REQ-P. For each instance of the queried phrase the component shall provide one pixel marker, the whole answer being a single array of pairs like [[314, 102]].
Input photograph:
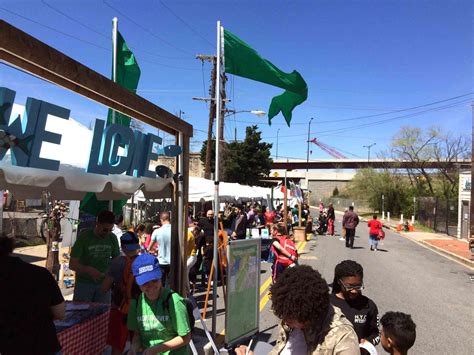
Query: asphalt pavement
[[402, 276]]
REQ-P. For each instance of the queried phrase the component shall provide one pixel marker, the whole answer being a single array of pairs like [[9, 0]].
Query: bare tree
[[423, 147]]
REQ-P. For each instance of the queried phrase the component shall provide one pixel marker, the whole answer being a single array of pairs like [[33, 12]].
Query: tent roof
[[71, 181]]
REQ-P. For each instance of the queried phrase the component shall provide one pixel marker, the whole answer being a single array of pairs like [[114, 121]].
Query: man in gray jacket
[[350, 222]]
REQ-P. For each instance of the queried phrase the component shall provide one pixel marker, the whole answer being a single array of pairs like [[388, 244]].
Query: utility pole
[[278, 132], [368, 150], [212, 113], [223, 151], [307, 152]]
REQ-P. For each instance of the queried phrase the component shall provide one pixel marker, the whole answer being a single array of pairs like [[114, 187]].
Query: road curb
[[448, 253]]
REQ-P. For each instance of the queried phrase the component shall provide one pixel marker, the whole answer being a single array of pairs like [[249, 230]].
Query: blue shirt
[[163, 237]]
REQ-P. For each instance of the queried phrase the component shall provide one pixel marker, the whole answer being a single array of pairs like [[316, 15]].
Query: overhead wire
[[91, 43], [74, 20], [351, 128], [368, 116], [185, 23], [147, 30], [54, 29], [106, 36]]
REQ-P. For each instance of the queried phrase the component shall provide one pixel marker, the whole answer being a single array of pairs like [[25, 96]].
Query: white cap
[[369, 347]]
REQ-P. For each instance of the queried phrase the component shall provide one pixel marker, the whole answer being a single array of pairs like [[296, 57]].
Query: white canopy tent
[[201, 189], [71, 181]]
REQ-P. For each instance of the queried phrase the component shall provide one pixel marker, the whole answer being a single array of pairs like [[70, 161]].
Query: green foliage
[[248, 161], [243, 162], [335, 192], [213, 154], [370, 185]]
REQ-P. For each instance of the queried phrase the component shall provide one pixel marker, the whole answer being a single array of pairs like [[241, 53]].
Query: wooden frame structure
[[26, 53]]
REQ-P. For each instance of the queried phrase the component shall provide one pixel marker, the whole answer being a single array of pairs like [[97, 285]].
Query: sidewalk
[[444, 244]]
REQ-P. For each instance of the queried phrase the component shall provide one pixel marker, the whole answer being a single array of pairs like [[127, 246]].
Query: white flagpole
[[114, 56], [114, 74], [216, 181]]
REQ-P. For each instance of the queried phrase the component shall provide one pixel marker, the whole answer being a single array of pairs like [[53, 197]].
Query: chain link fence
[[441, 215], [341, 204]]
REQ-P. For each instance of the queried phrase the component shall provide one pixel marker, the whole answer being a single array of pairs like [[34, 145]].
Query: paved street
[[403, 276]]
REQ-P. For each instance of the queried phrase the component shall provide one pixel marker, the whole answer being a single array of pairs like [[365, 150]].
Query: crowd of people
[[130, 270]]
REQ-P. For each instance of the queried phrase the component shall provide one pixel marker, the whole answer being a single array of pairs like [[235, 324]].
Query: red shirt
[[375, 226], [269, 217]]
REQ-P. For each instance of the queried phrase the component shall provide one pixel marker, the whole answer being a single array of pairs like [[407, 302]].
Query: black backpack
[[189, 309]]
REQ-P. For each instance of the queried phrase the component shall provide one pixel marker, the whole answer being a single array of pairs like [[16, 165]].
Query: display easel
[[222, 255]]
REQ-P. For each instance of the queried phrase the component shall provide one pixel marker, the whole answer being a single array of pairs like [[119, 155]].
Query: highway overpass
[[363, 163]]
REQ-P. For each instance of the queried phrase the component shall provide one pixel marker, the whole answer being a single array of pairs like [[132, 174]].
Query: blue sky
[[359, 58]]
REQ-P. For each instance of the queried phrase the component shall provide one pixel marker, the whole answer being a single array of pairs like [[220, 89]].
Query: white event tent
[[71, 181]]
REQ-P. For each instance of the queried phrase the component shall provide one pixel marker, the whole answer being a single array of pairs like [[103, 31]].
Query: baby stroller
[[322, 224]]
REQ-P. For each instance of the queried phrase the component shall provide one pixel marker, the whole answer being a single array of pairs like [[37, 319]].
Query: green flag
[[127, 75], [243, 60]]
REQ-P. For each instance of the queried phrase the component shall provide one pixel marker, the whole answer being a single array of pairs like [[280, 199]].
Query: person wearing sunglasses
[[360, 310]]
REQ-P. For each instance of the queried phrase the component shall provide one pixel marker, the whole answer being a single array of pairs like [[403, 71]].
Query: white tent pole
[[216, 181], [114, 74], [114, 56]]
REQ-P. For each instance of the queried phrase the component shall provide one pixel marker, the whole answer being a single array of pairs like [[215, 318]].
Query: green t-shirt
[[157, 325], [94, 251]]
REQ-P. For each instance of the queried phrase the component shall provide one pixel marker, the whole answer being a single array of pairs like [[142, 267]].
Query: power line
[[402, 110], [346, 129], [91, 43], [369, 116], [74, 20], [147, 30], [186, 24], [395, 118], [54, 29], [106, 36]]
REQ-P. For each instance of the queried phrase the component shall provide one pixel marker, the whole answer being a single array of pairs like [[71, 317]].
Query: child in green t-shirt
[[91, 256], [159, 326]]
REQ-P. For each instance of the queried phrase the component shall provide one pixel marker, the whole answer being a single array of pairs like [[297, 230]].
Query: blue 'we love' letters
[[104, 155]]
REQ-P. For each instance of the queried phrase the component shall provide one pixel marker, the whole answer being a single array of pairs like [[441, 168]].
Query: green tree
[[243, 162], [202, 155], [250, 160], [369, 185]]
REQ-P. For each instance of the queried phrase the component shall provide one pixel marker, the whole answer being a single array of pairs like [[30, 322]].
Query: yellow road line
[[264, 300], [265, 285], [266, 297]]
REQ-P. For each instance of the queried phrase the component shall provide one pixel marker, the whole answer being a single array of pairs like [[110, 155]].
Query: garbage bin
[[299, 234]]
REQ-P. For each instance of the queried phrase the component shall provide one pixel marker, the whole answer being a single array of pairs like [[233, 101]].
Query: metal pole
[[414, 207], [285, 205], [216, 182], [114, 56], [278, 131], [1, 210], [114, 75], [368, 150], [307, 151], [383, 206]]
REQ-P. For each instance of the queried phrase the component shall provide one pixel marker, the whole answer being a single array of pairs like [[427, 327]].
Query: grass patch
[[422, 228]]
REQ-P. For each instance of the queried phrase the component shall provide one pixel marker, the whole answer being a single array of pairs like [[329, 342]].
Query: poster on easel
[[243, 290]]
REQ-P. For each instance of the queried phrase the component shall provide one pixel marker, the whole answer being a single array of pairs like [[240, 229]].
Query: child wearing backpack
[[284, 249], [158, 316], [120, 279]]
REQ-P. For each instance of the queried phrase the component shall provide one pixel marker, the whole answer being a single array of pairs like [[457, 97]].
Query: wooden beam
[[27, 53]]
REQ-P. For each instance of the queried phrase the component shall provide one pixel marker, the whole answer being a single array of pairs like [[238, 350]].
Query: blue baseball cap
[[129, 241], [146, 268]]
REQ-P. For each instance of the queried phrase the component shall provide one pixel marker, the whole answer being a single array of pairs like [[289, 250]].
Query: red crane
[[330, 150]]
